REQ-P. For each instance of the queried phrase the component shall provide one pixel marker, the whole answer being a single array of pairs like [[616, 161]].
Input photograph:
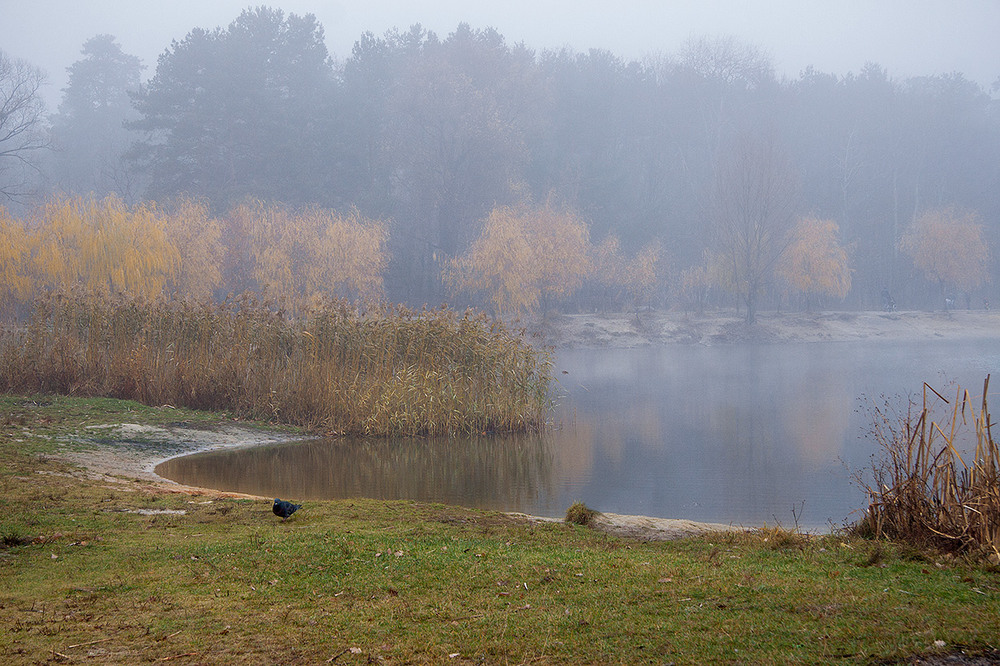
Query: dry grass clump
[[337, 369], [923, 491], [580, 514]]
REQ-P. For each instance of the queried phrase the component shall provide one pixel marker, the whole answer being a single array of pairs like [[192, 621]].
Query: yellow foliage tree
[[814, 262], [948, 245], [560, 241], [643, 272], [350, 255], [298, 257], [523, 254], [196, 236], [103, 246], [15, 284]]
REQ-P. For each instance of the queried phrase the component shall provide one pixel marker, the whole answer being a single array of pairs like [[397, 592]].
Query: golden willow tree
[[15, 285], [814, 262], [297, 257], [949, 246], [196, 236], [101, 245], [613, 274], [607, 270], [523, 255], [643, 272]]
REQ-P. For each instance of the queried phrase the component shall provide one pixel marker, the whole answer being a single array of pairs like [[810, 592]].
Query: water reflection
[[731, 434], [489, 472]]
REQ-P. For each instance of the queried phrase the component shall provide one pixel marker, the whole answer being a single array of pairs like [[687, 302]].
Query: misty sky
[[908, 37]]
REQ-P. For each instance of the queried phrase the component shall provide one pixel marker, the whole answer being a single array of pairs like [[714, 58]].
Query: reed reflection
[[504, 472]]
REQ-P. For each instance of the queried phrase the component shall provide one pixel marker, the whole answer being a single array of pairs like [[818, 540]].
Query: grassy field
[[101, 571]]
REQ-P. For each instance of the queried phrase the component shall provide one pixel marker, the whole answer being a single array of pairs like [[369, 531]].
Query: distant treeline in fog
[[432, 135]]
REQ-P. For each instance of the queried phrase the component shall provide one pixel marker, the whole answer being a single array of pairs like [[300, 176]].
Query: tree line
[[703, 158]]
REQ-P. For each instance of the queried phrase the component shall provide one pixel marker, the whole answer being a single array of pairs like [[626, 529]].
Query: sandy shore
[[130, 452]]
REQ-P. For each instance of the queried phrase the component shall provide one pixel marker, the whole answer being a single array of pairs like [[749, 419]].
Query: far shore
[[720, 327]]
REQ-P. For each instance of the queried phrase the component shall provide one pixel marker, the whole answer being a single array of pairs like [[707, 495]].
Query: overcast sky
[[907, 37]]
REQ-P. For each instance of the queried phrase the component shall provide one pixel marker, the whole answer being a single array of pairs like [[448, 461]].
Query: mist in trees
[[22, 138], [90, 137], [700, 178]]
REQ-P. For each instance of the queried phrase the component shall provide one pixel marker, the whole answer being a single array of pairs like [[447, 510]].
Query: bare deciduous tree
[[21, 127], [754, 207]]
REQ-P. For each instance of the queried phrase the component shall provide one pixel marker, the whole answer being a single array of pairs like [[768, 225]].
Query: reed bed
[[923, 491], [337, 369]]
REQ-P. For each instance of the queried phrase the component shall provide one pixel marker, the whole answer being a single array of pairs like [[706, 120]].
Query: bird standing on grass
[[283, 508]]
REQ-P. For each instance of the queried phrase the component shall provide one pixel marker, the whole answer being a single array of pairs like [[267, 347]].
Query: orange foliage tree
[[948, 245], [814, 262], [102, 245], [523, 254]]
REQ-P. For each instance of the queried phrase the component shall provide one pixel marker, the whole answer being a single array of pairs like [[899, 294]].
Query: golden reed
[[338, 368]]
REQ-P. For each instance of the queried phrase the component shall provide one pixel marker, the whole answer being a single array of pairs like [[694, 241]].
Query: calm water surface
[[744, 434]]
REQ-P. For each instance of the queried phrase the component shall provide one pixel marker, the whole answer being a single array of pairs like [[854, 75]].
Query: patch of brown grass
[[340, 368]]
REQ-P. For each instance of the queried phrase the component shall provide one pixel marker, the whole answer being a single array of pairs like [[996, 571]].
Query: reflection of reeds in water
[[384, 371], [923, 490], [496, 472]]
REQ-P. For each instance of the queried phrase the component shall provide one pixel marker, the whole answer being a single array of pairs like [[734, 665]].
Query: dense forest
[[742, 189]]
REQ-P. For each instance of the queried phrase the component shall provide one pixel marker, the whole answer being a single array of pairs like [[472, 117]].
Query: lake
[[748, 434]]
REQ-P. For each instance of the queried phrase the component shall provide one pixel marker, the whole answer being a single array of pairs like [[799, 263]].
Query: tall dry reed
[[337, 369], [923, 491]]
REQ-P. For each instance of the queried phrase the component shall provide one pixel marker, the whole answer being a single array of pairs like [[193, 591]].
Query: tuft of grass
[[580, 514], [923, 491], [339, 368], [775, 538], [12, 537]]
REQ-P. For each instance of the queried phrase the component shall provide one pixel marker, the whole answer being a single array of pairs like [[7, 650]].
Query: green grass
[[83, 578]]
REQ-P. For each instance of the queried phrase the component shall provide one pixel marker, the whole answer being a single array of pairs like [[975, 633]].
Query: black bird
[[283, 508]]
